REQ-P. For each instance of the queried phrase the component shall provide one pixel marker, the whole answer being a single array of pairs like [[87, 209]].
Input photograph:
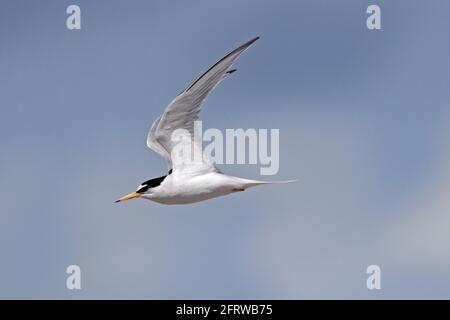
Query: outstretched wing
[[183, 111]]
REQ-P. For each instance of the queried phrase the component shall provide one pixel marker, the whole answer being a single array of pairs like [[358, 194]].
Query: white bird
[[190, 181]]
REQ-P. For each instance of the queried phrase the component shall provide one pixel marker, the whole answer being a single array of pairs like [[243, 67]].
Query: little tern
[[191, 181]]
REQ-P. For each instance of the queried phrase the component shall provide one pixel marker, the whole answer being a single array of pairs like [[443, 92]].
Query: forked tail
[[247, 183]]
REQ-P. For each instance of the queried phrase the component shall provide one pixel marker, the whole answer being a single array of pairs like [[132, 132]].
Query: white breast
[[183, 189]]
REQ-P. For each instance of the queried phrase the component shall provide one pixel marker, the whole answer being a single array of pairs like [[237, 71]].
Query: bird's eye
[[142, 188]]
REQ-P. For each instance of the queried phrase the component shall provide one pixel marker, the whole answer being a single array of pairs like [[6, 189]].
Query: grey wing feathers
[[153, 143], [184, 109], [220, 67]]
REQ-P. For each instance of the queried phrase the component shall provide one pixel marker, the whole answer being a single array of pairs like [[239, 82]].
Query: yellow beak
[[129, 196]]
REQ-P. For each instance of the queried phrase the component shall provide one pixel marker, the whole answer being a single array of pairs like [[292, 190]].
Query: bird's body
[[176, 189], [181, 189], [190, 179]]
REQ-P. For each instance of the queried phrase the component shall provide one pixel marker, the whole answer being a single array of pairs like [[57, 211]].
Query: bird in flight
[[190, 181]]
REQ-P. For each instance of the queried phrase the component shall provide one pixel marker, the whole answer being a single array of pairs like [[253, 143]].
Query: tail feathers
[[252, 183]]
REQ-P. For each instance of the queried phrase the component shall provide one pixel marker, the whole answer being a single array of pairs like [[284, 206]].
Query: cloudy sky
[[364, 120]]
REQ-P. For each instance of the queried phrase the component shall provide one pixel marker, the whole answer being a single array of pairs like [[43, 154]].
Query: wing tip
[[251, 41], [246, 44], [238, 50]]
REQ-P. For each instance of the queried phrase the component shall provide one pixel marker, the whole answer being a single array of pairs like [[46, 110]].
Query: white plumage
[[190, 181]]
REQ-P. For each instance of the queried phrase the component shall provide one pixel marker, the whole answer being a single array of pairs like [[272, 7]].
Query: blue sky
[[364, 125]]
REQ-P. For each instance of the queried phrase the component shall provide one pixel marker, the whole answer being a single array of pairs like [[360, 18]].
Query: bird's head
[[145, 189]]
